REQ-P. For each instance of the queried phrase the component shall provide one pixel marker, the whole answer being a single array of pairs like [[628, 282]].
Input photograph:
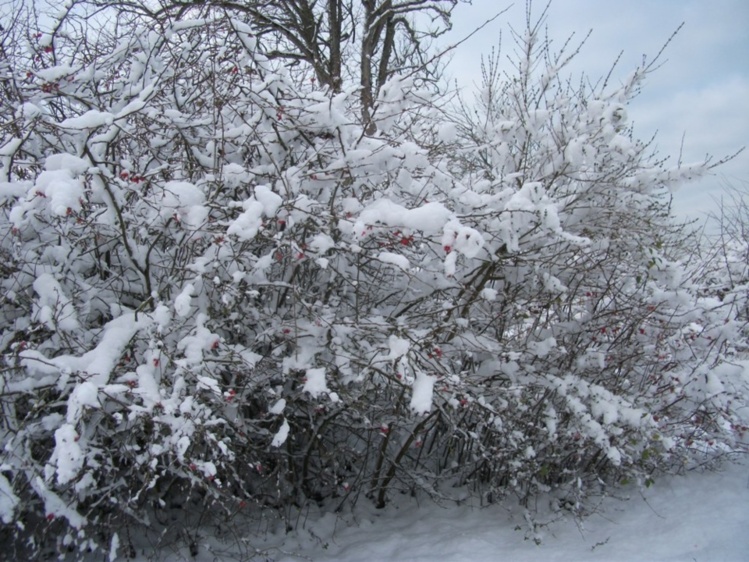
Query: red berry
[[50, 516], [124, 175], [447, 249], [48, 49]]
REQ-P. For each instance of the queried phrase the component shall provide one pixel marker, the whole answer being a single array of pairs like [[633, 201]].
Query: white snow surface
[[8, 501], [89, 120], [184, 201], [462, 239], [54, 308], [278, 407], [423, 391], [398, 347], [183, 300], [269, 200], [447, 132], [429, 218], [68, 455], [282, 434], [61, 189], [700, 516], [315, 382], [63, 161], [394, 259]]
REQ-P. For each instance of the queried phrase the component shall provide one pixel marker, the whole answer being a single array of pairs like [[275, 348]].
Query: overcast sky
[[701, 92]]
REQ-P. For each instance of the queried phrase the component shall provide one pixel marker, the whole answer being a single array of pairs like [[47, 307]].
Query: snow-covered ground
[[701, 517]]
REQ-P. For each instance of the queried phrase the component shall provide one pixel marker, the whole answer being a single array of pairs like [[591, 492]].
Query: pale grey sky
[[701, 92]]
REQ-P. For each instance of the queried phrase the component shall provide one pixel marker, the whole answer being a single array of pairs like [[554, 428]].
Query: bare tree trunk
[[334, 63], [321, 33]]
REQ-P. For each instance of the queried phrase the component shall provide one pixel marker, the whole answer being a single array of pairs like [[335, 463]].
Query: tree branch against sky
[[699, 96]]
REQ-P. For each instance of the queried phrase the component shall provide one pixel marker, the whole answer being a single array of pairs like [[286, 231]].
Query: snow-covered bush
[[605, 350], [725, 255], [233, 281]]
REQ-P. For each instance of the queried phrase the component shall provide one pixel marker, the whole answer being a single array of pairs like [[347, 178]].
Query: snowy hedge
[[224, 285]]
